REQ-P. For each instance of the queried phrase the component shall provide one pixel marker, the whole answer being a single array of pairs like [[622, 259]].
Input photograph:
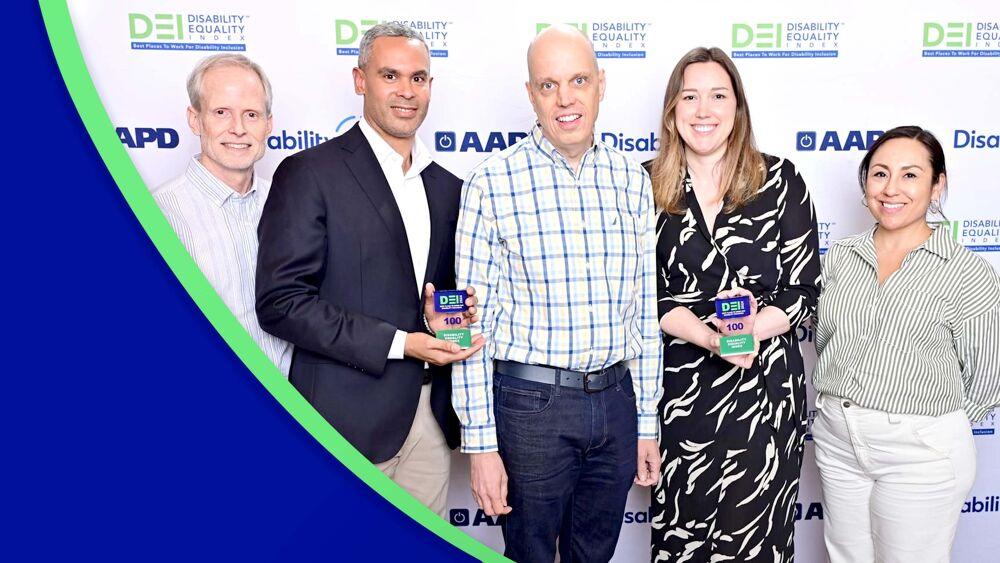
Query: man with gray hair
[[215, 205], [357, 234]]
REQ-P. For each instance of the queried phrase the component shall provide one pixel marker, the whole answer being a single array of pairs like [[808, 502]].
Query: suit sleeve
[[291, 264]]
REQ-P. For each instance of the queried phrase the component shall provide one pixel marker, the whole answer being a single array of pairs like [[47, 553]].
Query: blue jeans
[[570, 458]]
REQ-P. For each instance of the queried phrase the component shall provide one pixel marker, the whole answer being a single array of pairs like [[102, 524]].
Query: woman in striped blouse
[[907, 336]]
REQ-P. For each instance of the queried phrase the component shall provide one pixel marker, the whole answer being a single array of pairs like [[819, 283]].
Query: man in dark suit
[[352, 231]]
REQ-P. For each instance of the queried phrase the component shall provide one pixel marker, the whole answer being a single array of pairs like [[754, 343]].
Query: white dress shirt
[[218, 227], [408, 189]]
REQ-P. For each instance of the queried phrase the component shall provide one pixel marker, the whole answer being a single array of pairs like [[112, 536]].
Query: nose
[[702, 109], [892, 186], [237, 127], [564, 97], [405, 89]]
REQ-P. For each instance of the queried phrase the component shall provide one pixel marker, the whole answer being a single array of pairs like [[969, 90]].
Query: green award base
[[736, 345], [460, 336]]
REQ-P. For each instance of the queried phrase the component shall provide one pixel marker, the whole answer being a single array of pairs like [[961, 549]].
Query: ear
[[601, 83], [193, 122], [270, 125], [937, 190], [359, 81]]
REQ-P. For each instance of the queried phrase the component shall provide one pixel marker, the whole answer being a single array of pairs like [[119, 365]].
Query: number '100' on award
[[453, 301]]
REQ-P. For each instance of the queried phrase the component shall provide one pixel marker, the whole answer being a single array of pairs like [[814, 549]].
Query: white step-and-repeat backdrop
[[823, 79]]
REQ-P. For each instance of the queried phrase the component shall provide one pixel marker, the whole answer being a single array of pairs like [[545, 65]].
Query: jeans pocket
[[626, 386], [939, 433], [514, 400]]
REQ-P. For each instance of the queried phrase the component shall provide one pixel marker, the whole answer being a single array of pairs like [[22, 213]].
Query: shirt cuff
[[479, 439], [975, 412], [398, 346], [648, 426]]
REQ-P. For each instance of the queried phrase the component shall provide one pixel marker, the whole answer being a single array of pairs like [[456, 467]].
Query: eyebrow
[[385, 69], [716, 89], [907, 167]]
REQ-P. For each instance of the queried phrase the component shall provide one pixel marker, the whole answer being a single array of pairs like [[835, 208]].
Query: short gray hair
[[388, 29], [225, 59]]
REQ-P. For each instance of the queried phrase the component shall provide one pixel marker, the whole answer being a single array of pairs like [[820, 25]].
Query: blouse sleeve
[[798, 283], [977, 343]]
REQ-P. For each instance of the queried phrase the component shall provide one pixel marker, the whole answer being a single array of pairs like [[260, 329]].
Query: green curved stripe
[[81, 88]]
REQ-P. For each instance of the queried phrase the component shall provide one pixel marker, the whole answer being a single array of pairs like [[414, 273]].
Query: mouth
[[404, 111], [890, 207], [569, 121], [236, 146], [704, 128]]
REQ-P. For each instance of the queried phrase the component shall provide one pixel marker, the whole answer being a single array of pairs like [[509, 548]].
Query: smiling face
[[565, 88], [706, 110], [396, 84], [900, 184], [232, 124]]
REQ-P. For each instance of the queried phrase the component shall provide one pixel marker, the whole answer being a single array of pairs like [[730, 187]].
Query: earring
[[935, 207]]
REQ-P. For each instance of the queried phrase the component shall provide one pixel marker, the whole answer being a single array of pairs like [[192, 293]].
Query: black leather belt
[[590, 382]]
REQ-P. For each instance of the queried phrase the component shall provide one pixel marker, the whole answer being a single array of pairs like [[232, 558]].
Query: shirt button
[[847, 404]]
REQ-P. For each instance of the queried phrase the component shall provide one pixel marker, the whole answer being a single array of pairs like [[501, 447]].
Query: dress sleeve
[[798, 282]]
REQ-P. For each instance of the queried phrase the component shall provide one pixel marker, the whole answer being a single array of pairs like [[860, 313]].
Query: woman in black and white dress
[[733, 222]]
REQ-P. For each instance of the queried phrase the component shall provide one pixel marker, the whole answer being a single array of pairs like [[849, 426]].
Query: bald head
[[559, 38], [565, 88]]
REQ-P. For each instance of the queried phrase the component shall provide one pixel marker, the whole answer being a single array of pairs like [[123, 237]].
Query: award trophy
[[453, 301], [730, 311]]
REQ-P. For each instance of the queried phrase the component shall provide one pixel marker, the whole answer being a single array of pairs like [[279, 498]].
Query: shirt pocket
[[913, 320]]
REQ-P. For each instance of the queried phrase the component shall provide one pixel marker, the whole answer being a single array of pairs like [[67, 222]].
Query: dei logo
[[962, 39], [348, 34], [612, 39], [188, 32], [447, 141], [140, 137], [835, 141], [786, 40], [981, 234]]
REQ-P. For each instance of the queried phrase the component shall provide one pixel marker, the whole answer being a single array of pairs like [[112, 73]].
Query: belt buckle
[[586, 381]]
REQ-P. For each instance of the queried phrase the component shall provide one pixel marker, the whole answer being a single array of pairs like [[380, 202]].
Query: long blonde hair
[[743, 165]]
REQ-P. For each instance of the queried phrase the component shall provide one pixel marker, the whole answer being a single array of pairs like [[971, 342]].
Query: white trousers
[[893, 484]]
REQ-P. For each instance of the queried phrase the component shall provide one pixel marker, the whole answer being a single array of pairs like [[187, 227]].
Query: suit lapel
[[368, 173], [438, 223]]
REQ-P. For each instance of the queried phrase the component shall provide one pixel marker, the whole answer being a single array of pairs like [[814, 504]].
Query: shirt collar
[[547, 148], [940, 243], [420, 157], [210, 186]]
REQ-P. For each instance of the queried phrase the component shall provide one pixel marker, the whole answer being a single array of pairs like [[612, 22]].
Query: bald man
[[558, 410]]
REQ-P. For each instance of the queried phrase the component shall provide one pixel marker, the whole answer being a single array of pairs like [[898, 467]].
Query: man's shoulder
[[512, 157], [622, 161], [171, 191]]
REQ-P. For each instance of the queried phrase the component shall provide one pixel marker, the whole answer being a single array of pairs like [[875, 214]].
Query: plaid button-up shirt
[[564, 266]]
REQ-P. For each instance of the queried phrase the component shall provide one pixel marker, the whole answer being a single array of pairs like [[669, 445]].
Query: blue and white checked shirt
[[219, 229], [565, 270]]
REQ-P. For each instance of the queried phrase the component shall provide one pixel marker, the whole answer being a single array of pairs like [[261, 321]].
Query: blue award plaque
[[453, 301]]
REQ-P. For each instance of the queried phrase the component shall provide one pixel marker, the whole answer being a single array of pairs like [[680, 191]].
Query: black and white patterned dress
[[731, 439]]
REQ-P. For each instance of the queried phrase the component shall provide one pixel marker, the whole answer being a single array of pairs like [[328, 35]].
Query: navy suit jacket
[[335, 278]]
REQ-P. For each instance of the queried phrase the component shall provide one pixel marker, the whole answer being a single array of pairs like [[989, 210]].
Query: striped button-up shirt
[[925, 342], [565, 264], [218, 227]]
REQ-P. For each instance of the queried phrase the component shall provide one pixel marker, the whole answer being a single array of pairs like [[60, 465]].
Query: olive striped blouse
[[926, 342]]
